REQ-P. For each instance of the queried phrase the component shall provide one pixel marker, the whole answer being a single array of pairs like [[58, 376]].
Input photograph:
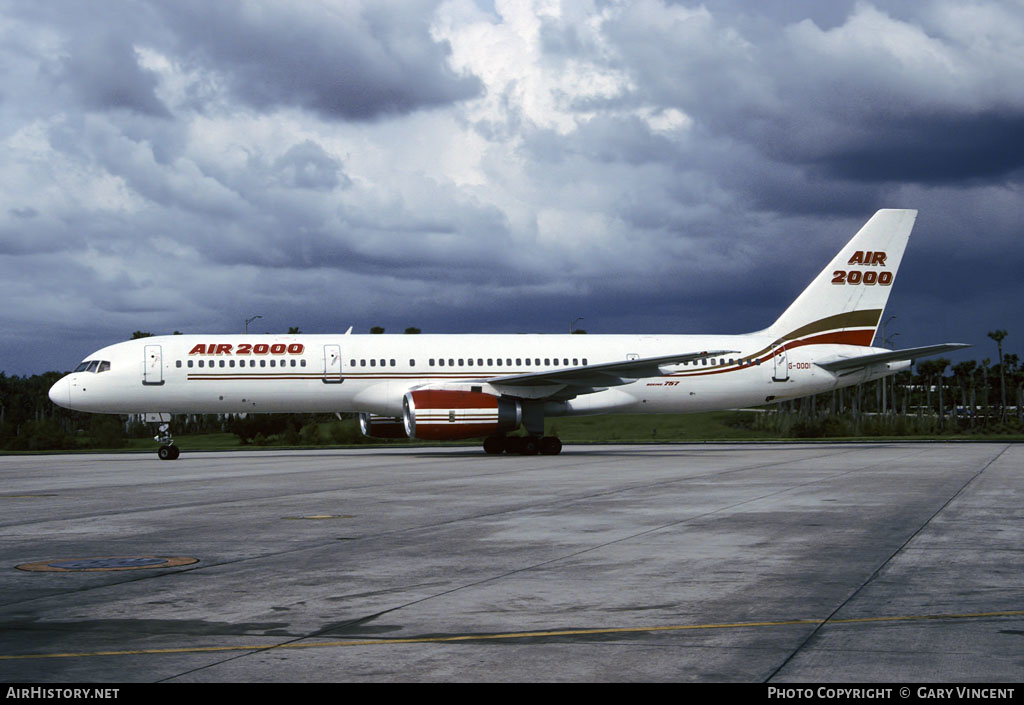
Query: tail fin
[[845, 302]]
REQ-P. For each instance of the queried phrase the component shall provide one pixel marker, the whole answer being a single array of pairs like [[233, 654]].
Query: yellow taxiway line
[[511, 635]]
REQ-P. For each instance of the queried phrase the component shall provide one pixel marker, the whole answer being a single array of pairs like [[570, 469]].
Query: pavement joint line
[[515, 635]]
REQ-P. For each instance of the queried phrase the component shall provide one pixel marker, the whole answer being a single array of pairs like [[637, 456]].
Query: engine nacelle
[[451, 414], [373, 426]]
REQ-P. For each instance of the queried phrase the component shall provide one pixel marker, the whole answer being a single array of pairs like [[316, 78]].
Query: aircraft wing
[[845, 365], [605, 374]]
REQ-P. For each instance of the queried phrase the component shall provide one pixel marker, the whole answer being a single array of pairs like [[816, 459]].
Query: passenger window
[[584, 361], [461, 362], [273, 363], [547, 361], [499, 362], [440, 362], [527, 362], [392, 363], [373, 363], [231, 363], [490, 361], [263, 363], [575, 362], [480, 361], [190, 363], [177, 363], [431, 361], [362, 363], [302, 363], [412, 363], [351, 363], [470, 361], [565, 361], [222, 363], [451, 362]]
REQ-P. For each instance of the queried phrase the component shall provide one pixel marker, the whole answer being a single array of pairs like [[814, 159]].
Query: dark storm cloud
[[102, 70], [934, 149], [352, 61]]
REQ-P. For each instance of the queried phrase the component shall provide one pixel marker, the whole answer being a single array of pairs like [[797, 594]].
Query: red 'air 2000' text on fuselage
[[247, 349]]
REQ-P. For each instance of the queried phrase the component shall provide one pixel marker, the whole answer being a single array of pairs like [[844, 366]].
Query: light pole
[[248, 321], [885, 340]]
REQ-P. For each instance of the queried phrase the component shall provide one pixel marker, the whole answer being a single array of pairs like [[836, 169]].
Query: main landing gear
[[167, 450], [522, 445]]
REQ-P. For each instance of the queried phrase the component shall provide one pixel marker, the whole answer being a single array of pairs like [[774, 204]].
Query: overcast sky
[[490, 166]]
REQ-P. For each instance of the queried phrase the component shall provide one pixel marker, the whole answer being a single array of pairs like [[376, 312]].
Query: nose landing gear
[[167, 450]]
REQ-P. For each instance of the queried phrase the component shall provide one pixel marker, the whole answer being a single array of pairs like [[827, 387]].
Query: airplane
[[451, 387]]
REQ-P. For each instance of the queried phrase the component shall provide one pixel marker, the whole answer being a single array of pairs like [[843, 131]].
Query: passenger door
[[781, 358], [153, 365], [332, 364]]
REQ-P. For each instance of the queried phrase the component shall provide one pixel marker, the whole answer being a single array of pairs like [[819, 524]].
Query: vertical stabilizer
[[845, 301]]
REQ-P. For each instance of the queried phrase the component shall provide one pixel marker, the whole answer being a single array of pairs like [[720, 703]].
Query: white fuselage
[[229, 374]]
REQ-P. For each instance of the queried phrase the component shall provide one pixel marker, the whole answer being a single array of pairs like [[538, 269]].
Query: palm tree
[[928, 370], [998, 335]]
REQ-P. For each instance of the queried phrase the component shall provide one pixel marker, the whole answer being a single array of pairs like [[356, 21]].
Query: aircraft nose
[[60, 392]]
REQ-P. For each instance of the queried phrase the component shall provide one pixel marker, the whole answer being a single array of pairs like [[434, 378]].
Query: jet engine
[[450, 414], [373, 426]]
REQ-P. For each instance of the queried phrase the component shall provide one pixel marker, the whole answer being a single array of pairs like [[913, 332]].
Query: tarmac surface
[[779, 563]]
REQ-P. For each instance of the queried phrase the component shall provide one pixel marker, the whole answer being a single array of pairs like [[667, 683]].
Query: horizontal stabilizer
[[838, 364]]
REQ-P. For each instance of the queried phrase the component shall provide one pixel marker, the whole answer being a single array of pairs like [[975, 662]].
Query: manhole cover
[[108, 563]]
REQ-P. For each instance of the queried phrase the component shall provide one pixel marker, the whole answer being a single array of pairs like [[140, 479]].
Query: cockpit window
[[93, 366]]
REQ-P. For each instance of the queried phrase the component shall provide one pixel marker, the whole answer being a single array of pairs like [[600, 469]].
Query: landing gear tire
[[167, 452], [514, 445], [530, 446], [550, 445], [522, 445]]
